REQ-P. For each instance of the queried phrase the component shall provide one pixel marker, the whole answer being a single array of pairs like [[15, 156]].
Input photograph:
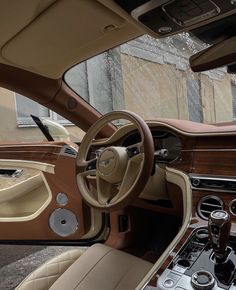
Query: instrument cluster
[[167, 145]]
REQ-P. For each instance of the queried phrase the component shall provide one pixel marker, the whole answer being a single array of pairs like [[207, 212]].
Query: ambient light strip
[[181, 180]]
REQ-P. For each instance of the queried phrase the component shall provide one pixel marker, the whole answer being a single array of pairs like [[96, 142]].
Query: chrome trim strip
[[16, 174], [201, 201], [213, 190], [212, 178], [230, 206], [147, 7], [208, 150]]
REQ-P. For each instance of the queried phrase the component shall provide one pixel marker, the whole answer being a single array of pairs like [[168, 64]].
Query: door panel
[[23, 198], [43, 202], [12, 187]]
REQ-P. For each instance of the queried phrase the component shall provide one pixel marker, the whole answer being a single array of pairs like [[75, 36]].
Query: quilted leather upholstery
[[98, 268], [43, 277]]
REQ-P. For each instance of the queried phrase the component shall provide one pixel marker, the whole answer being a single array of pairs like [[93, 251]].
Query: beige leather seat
[[98, 267]]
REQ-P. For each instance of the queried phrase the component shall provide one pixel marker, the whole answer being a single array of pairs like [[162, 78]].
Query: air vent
[[208, 204], [68, 151]]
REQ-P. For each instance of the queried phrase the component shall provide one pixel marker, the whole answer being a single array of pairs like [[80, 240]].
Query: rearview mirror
[[218, 55], [56, 130]]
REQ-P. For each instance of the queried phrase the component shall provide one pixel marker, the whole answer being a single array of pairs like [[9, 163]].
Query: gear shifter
[[219, 224]]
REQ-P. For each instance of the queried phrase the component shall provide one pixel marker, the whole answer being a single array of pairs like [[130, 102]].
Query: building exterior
[[147, 76]]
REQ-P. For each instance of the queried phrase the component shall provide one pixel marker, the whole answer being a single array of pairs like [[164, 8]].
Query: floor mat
[[154, 233]]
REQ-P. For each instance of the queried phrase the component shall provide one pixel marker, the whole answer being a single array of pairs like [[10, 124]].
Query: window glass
[[194, 99], [17, 124], [233, 88], [24, 106], [152, 77]]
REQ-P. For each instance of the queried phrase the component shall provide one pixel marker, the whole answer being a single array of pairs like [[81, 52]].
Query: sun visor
[[66, 33], [15, 15]]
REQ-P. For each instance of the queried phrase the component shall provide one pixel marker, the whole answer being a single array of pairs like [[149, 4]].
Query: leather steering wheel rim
[[135, 168]]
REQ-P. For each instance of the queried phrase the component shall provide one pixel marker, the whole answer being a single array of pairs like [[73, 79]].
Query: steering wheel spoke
[[91, 164], [134, 149], [104, 191], [87, 168], [130, 176], [87, 173], [119, 173]]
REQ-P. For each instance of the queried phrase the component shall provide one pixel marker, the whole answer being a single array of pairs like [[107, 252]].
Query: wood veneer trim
[[196, 222], [44, 153]]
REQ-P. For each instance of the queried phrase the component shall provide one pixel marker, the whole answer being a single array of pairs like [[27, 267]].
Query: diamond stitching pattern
[[43, 277]]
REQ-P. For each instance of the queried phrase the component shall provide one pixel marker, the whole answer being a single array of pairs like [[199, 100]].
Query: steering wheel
[[121, 172]]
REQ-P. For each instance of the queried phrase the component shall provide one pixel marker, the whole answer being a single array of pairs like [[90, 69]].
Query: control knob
[[202, 280], [196, 182]]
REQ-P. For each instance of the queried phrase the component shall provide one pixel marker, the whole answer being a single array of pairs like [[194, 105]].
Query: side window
[[25, 105], [18, 126], [233, 89], [194, 100]]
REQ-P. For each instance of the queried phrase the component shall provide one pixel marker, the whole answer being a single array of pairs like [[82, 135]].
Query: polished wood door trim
[[40, 153]]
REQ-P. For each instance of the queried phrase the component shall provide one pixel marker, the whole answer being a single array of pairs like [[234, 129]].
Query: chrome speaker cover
[[63, 222]]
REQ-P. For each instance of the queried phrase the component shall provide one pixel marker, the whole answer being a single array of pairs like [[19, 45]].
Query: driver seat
[[95, 268]]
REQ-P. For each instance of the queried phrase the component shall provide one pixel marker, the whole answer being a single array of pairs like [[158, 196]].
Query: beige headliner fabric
[[15, 15], [60, 36], [49, 36]]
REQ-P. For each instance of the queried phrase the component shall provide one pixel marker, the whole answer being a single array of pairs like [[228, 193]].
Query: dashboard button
[[196, 182]]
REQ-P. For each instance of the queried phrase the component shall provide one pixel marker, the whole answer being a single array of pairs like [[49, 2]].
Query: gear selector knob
[[219, 224]]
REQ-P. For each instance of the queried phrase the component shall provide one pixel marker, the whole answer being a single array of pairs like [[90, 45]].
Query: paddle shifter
[[219, 229]]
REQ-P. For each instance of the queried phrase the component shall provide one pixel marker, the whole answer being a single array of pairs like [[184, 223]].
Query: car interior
[[135, 103]]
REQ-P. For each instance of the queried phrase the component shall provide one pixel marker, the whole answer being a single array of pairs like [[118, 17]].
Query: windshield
[[153, 78]]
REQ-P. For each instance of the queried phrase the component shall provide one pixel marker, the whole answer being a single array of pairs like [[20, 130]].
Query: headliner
[[47, 37]]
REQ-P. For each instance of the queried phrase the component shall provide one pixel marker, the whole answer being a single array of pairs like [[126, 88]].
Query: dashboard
[[205, 153], [206, 156]]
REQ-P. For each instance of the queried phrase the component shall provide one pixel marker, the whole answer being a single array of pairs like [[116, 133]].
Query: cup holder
[[183, 263]]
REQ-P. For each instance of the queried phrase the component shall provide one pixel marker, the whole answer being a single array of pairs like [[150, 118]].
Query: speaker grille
[[63, 222]]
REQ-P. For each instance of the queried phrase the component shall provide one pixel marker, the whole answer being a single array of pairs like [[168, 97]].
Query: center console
[[206, 261]]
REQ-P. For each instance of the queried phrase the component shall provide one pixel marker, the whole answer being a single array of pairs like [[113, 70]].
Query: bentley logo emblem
[[106, 162]]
